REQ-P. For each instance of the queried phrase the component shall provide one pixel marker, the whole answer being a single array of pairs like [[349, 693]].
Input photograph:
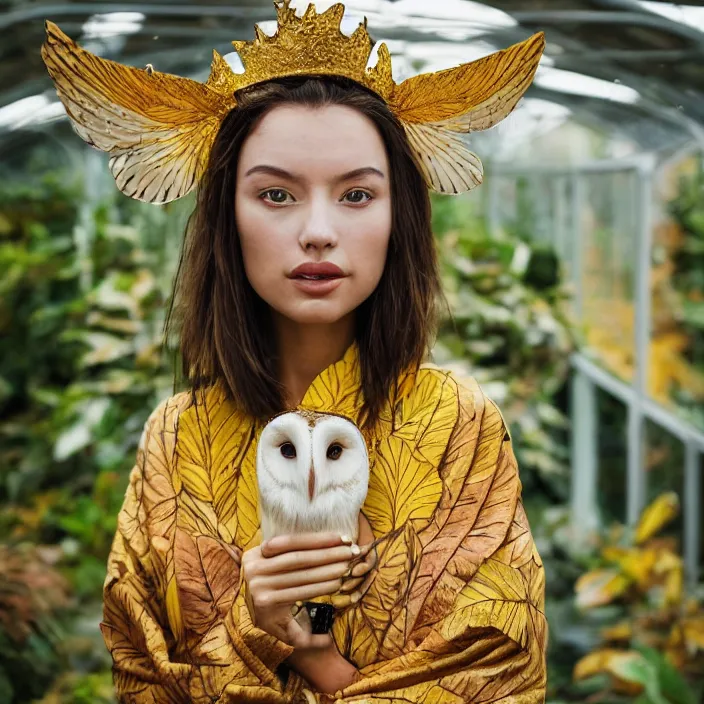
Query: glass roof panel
[[629, 69]]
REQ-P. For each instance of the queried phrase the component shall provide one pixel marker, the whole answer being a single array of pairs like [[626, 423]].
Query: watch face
[[321, 616]]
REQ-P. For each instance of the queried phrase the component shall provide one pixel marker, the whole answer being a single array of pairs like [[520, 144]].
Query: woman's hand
[[289, 569], [361, 566]]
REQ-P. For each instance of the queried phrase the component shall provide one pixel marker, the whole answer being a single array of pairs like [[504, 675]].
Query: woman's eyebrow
[[272, 170], [282, 173], [364, 171]]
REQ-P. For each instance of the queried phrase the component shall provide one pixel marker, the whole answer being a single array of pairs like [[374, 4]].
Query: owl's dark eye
[[288, 450], [334, 451]]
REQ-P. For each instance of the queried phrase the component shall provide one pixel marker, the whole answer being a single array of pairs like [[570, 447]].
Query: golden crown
[[159, 128], [309, 45]]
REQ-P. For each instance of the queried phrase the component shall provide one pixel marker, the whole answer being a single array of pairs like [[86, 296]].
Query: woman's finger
[[305, 559], [350, 584], [366, 560], [299, 578], [307, 592], [303, 541], [342, 601], [361, 568]]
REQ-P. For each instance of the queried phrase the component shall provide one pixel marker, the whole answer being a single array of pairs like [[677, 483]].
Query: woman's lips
[[317, 278]]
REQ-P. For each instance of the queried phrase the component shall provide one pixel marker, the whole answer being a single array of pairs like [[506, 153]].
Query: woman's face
[[313, 209]]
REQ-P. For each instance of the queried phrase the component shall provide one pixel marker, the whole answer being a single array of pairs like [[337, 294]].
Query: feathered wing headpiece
[[159, 128]]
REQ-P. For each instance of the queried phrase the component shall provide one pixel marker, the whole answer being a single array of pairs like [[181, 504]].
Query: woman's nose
[[318, 231]]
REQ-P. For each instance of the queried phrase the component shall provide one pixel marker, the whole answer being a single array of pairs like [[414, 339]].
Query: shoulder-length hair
[[225, 328]]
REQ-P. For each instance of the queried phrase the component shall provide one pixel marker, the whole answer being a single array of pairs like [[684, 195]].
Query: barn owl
[[312, 474]]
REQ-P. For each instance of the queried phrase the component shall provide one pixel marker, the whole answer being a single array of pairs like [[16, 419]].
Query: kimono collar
[[338, 388]]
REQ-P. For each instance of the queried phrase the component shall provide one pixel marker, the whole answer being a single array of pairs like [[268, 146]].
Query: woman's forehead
[[297, 138]]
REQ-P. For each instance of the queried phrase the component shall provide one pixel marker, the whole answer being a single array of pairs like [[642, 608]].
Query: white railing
[[589, 377]]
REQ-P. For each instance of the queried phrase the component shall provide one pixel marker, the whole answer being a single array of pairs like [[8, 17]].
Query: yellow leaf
[[337, 388], [496, 598], [400, 488], [674, 586], [375, 628], [173, 609], [636, 564], [247, 513], [656, 516], [213, 440], [600, 587], [405, 483], [612, 662], [693, 631], [600, 661], [620, 632]]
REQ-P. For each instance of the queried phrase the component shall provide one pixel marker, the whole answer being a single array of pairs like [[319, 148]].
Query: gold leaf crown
[[310, 45], [159, 128]]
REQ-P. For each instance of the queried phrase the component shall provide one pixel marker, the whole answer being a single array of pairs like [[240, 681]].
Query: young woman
[[308, 281]]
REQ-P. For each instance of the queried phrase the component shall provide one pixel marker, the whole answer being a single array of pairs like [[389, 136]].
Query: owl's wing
[[157, 128], [439, 109]]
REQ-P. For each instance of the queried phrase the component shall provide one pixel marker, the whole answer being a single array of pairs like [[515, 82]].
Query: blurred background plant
[[687, 277], [33, 599], [82, 366], [506, 324], [651, 632]]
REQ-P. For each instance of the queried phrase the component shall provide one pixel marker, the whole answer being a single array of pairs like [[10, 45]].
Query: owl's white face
[[313, 474]]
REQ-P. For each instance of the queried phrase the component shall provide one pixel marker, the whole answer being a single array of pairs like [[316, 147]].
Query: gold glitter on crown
[[309, 45]]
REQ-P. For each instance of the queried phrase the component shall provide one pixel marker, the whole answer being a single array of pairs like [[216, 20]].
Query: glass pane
[[676, 374], [526, 207], [664, 466], [609, 226], [611, 487]]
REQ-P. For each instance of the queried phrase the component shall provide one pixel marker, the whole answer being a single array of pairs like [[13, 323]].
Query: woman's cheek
[[371, 254]]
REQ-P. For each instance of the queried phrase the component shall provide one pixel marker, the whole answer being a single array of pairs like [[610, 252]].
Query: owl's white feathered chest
[[312, 474]]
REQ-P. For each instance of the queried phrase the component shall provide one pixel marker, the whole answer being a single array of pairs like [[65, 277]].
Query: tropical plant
[[81, 314], [507, 326], [652, 645]]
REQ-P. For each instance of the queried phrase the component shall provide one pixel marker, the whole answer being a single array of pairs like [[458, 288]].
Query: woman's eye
[[288, 450], [275, 195], [357, 196], [334, 451]]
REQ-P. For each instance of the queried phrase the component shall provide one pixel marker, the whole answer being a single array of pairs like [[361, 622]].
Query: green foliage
[[651, 639], [507, 326], [81, 317], [688, 277]]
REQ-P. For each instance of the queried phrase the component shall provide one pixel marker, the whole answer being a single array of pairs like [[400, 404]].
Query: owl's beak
[[311, 483]]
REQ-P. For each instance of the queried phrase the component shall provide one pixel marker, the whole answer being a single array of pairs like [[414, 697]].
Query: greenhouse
[[573, 283]]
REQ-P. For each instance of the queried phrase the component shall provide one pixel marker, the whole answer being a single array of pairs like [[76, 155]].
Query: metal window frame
[[588, 376]]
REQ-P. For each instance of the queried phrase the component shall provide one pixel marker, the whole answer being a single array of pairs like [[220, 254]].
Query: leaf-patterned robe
[[453, 612]]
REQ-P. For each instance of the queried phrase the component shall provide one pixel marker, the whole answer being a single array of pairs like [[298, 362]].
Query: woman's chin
[[316, 312]]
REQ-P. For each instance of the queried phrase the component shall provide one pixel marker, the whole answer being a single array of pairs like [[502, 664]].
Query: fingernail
[[355, 549], [346, 539]]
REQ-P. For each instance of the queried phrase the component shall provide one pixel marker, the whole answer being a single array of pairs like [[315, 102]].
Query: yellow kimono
[[452, 614]]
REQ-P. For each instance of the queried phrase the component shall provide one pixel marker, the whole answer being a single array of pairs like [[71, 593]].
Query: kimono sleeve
[[477, 595], [151, 663]]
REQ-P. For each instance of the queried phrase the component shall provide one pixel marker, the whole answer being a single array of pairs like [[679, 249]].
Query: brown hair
[[226, 332]]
